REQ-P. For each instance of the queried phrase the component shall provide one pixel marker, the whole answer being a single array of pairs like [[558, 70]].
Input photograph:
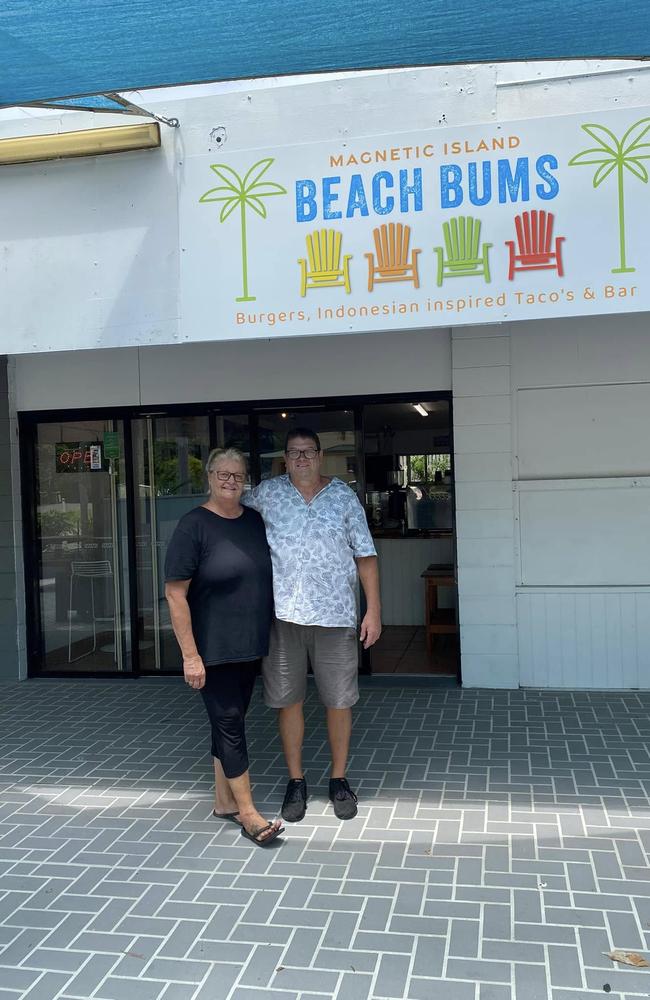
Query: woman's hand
[[194, 672]]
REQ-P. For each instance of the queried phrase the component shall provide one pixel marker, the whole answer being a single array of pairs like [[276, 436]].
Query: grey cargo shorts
[[334, 657]]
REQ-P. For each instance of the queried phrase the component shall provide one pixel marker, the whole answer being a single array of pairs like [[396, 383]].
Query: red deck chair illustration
[[533, 251]]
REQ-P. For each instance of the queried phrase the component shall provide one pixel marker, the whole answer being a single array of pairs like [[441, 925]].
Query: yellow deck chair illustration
[[323, 267], [461, 256], [392, 252]]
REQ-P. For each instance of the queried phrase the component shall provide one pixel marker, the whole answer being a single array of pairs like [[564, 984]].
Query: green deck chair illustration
[[323, 267], [461, 256]]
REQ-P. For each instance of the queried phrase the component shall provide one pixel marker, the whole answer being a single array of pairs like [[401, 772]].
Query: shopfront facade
[[544, 417]]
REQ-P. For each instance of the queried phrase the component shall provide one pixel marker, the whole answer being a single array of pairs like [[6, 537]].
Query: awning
[[53, 49]]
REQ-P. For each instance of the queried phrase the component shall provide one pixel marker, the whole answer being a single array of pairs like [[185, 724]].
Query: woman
[[219, 590]]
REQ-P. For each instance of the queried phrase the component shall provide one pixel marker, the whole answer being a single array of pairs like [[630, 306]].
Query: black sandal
[[230, 817], [253, 836]]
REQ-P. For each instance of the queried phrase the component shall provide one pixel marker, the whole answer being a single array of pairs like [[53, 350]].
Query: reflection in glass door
[[81, 546], [335, 428], [169, 456]]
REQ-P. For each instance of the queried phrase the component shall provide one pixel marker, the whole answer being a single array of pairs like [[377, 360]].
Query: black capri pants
[[226, 695]]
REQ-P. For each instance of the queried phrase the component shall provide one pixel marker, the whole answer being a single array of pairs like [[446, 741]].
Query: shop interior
[[410, 507]]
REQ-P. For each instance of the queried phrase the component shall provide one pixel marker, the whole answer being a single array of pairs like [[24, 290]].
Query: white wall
[[553, 513], [581, 404], [484, 506], [302, 367]]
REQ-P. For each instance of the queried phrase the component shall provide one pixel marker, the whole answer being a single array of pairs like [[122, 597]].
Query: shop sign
[[77, 456], [501, 222]]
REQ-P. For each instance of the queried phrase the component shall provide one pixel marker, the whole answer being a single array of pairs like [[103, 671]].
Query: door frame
[[27, 428]]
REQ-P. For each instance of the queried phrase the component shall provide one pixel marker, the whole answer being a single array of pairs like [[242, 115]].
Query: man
[[320, 544]]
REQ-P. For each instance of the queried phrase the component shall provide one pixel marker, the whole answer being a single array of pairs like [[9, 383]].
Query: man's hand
[[194, 672], [370, 629]]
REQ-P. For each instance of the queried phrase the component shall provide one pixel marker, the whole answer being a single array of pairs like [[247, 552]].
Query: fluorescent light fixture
[[421, 410], [87, 142]]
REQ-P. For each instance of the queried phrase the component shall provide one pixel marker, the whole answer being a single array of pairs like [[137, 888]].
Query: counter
[[402, 558]]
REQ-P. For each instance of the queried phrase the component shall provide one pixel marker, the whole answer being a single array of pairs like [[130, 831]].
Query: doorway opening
[[410, 506], [103, 492]]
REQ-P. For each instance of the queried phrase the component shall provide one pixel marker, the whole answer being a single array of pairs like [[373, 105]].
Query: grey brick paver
[[345, 961], [427, 989], [531, 983], [261, 966], [90, 976], [393, 973], [353, 986], [340, 931], [176, 970], [19, 979], [306, 979], [464, 938], [48, 987], [129, 989], [382, 941], [491, 991], [624, 931], [565, 966], [479, 970], [500, 848]]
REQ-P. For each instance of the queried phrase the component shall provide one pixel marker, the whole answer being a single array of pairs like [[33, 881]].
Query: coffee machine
[[397, 499]]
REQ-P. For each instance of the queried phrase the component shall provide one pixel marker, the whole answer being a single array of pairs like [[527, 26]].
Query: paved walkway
[[499, 850]]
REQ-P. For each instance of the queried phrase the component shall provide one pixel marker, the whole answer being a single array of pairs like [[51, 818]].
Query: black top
[[231, 593]]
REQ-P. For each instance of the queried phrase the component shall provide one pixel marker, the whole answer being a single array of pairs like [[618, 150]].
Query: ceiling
[[376, 417], [53, 49]]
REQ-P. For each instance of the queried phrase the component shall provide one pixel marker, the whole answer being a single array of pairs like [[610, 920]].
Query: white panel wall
[[585, 532], [582, 351], [484, 506], [365, 364], [582, 405], [586, 638], [590, 430]]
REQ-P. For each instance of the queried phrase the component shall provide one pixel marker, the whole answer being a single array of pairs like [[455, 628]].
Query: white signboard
[[514, 221]]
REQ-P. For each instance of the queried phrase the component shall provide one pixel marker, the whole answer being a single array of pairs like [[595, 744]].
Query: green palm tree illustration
[[613, 155], [242, 193]]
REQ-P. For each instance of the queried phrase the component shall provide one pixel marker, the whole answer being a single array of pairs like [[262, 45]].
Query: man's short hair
[[301, 432]]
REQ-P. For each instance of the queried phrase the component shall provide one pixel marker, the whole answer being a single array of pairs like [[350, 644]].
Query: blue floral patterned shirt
[[313, 550]]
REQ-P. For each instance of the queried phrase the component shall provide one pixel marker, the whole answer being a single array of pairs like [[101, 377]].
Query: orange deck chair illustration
[[462, 255], [323, 267], [392, 256], [533, 249]]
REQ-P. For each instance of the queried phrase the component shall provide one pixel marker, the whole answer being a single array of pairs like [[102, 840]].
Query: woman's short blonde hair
[[225, 454]]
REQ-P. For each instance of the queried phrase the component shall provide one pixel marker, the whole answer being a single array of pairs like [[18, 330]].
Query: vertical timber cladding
[[513, 221]]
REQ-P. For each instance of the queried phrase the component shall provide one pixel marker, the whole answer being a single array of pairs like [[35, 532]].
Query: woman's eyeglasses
[[239, 477]]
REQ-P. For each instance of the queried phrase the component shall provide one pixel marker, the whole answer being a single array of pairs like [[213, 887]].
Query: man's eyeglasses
[[309, 453], [239, 477]]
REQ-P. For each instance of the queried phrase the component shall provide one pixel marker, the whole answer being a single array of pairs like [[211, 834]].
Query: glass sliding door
[[81, 546], [169, 456]]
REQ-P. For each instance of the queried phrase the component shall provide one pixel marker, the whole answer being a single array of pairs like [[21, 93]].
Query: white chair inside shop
[[92, 571]]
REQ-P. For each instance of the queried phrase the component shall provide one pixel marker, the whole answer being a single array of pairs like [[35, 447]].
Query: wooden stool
[[438, 621]]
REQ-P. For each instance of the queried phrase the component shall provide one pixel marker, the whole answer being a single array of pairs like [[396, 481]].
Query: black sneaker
[[344, 799], [294, 806]]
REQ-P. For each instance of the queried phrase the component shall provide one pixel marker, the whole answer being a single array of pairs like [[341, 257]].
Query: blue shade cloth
[[61, 48]]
